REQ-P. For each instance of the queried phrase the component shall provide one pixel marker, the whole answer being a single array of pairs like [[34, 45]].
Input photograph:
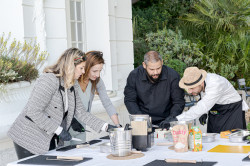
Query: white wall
[[55, 26], [11, 18], [109, 29], [56, 29], [108, 26], [122, 41], [98, 34]]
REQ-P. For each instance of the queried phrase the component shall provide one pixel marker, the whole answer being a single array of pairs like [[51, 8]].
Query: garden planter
[[12, 102]]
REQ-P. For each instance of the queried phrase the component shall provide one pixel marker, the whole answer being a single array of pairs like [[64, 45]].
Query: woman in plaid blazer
[[51, 106]]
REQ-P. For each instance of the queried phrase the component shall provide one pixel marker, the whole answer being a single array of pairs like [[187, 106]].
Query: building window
[[76, 24]]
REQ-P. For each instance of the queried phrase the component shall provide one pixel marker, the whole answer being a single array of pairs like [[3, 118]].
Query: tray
[[208, 137], [238, 136]]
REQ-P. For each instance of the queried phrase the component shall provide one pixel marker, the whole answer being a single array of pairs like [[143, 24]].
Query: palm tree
[[223, 27]]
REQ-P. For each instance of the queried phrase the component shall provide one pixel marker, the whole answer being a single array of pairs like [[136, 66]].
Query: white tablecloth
[[157, 152]]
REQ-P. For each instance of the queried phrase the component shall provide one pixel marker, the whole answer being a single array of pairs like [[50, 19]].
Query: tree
[[223, 28]]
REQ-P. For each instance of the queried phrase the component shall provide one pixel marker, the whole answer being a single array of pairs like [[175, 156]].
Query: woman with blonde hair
[[51, 107], [90, 82]]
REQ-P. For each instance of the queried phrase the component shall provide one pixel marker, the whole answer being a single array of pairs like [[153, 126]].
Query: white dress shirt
[[218, 90]]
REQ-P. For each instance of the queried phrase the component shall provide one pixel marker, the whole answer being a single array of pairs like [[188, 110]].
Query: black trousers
[[22, 152]]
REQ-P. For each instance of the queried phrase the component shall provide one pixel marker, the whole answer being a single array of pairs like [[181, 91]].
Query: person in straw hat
[[219, 101], [152, 89]]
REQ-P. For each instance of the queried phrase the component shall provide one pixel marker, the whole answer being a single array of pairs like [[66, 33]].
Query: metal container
[[150, 140], [105, 147], [121, 141], [208, 137], [238, 136], [138, 117]]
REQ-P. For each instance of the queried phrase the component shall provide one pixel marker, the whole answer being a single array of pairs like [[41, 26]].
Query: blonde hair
[[93, 58], [65, 65]]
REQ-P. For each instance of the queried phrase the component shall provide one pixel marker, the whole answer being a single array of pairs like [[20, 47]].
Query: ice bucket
[[120, 141]]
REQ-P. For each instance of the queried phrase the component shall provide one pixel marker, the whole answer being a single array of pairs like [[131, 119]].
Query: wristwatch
[[118, 125]]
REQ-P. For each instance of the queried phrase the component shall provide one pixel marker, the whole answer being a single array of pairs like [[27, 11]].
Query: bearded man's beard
[[153, 80]]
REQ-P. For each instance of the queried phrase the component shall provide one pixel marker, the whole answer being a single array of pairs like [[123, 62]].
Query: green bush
[[177, 65], [19, 61], [153, 15], [210, 34], [140, 48], [223, 27], [148, 20], [171, 45]]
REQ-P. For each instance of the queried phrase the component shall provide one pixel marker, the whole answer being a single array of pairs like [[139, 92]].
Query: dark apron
[[226, 117]]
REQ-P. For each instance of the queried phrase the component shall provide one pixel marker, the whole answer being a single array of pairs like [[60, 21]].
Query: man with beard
[[152, 89], [219, 100]]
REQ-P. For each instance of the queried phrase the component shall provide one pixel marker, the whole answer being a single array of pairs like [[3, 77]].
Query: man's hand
[[203, 119], [65, 136], [76, 126], [166, 123], [110, 127]]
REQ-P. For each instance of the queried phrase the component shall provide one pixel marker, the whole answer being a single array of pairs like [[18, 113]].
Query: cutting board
[[230, 149], [41, 160], [105, 137], [69, 147], [246, 158]]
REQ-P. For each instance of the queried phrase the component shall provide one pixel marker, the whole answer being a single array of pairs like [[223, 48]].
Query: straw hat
[[192, 77]]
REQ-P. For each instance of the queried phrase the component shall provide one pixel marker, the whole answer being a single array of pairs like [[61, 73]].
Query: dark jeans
[[22, 152]]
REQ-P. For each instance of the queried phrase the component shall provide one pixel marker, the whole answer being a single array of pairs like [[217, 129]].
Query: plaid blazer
[[35, 126]]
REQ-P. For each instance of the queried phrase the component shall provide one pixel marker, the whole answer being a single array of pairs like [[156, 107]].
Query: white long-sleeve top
[[218, 90]]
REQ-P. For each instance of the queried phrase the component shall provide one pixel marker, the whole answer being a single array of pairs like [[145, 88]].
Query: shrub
[[148, 20], [140, 48], [177, 65], [223, 27], [171, 45], [175, 50], [153, 15], [19, 61]]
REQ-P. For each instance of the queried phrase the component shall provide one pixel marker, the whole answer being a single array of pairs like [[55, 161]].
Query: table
[[157, 152]]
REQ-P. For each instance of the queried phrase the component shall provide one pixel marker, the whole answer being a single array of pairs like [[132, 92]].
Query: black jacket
[[159, 100]]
